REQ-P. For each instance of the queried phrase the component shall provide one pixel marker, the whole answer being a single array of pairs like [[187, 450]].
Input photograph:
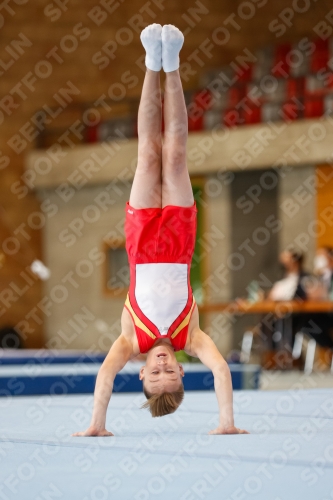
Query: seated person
[[323, 269], [292, 285], [320, 325]]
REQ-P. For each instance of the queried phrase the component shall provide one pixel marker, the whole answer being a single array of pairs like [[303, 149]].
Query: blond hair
[[164, 403]]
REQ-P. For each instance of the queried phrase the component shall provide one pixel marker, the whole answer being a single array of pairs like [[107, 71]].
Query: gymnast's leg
[[146, 190], [176, 185]]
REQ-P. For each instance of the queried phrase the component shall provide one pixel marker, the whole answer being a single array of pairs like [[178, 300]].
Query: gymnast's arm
[[204, 348], [119, 354]]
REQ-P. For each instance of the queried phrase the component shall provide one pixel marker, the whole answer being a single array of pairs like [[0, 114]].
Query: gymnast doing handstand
[[160, 315]]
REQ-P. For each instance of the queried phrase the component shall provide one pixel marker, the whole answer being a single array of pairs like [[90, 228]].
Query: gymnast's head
[[162, 380]]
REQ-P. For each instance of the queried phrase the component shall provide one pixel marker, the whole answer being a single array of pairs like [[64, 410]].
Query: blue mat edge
[[127, 382]]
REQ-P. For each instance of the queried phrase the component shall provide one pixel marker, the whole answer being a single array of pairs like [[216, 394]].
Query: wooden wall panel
[[324, 174]]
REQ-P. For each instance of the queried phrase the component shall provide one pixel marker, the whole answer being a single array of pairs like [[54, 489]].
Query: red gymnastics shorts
[[160, 244]]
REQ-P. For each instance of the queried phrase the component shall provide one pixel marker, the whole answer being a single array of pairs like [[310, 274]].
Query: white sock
[[152, 42], [172, 42]]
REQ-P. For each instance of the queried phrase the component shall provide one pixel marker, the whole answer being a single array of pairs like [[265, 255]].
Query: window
[[117, 268]]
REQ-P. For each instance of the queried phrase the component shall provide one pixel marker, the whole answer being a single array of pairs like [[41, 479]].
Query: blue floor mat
[[287, 456]]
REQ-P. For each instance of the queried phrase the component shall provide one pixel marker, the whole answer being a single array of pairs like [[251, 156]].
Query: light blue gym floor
[[287, 456]]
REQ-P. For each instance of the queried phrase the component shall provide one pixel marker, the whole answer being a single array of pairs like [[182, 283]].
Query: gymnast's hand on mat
[[92, 431], [228, 430]]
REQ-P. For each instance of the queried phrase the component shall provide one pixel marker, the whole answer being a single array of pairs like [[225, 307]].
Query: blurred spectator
[[319, 325], [292, 286], [323, 268]]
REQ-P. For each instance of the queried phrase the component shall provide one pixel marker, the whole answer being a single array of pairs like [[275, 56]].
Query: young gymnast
[[160, 315]]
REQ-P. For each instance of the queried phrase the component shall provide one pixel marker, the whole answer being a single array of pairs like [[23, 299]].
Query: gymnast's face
[[162, 372]]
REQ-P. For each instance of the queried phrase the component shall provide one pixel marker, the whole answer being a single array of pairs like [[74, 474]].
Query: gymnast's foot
[[152, 42], [172, 42]]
